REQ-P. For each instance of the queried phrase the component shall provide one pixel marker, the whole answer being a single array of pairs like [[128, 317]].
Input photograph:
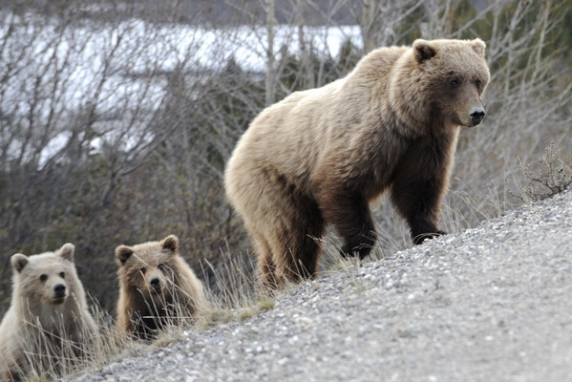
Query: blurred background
[[117, 117]]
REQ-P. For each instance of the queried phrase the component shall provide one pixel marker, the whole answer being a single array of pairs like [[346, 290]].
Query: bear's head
[[149, 269], [48, 278], [445, 80]]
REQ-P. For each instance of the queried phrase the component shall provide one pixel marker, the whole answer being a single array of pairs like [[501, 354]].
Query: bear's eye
[[162, 267], [143, 270], [478, 83], [63, 275], [43, 277], [455, 83]]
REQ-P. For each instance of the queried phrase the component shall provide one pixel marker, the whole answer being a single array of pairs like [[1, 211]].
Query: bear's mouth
[[156, 291], [58, 300]]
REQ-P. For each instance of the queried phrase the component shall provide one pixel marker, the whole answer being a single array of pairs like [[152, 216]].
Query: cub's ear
[[478, 46], [67, 251], [18, 262], [122, 253], [171, 243], [423, 50]]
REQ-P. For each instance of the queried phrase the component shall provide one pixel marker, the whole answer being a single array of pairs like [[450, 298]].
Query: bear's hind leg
[[284, 225], [270, 280], [297, 243]]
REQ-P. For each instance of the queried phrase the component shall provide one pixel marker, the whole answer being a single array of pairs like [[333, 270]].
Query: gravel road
[[492, 303]]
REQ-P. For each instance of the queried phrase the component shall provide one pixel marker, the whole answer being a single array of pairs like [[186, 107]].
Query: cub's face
[[148, 269], [47, 278]]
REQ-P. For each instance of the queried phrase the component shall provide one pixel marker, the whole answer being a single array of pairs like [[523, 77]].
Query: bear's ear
[[122, 253], [67, 251], [478, 46], [19, 261], [171, 243], [423, 50]]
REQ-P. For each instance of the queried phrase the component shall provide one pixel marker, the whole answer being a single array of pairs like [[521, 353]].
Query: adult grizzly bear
[[157, 288], [48, 326], [320, 156]]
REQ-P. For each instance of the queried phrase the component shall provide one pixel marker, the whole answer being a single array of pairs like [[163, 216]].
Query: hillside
[[491, 303]]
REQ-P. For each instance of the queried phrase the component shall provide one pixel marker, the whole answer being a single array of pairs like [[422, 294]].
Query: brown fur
[[48, 322], [321, 156], [178, 294]]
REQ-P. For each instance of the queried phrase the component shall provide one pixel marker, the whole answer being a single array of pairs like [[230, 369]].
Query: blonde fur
[[320, 156], [48, 323]]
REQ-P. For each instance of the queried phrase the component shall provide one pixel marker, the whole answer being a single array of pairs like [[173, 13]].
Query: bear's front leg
[[350, 214], [420, 183], [421, 237], [419, 201]]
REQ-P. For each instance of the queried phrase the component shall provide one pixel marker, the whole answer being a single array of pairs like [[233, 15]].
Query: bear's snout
[[155, 283], [477, 114], [59, 292]]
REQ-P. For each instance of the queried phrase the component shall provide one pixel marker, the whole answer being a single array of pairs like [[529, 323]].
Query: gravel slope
[[493, 303]]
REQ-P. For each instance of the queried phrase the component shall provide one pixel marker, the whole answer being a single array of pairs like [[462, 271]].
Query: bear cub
[[48, 325], [157, 288]]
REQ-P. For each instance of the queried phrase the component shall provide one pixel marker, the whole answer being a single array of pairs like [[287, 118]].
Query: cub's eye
[[143, 270], [43, 277], [478, 83], [63, 275], [162, 267], [455, 83]]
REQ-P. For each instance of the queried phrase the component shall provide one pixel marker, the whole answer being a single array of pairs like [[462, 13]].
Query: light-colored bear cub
[[48, 326]]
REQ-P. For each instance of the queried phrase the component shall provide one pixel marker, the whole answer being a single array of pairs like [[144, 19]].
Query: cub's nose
[[60, 290], [477, 114], [155, 283]]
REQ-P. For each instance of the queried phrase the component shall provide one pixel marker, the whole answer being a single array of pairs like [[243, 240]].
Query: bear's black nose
[[60, 290], [155, 283], [477, 115]]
